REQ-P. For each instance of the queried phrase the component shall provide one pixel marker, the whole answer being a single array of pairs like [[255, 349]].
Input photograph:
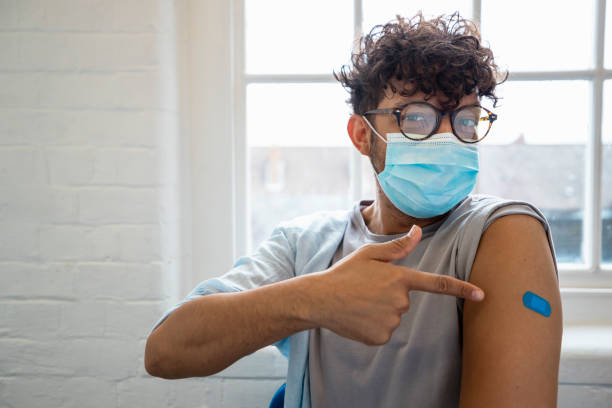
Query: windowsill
[[586, 358], [586, 355]]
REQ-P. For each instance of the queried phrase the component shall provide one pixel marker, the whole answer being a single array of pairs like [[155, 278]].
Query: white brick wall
[[90, 249]]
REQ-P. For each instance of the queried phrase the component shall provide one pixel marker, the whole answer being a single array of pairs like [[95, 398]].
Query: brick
[[77, 15], [103, 128], [19, 241], [138, 90], [199, 392], [22, 166], [84, 128], [146, 392], [31, 319], [64, 242], [139, 282], [28, 357], [31, 392], [137, 15], [16, 126], [112, 359], [95, 15], [130, 320], [9, 18], [10, 44], [84, 318], [126, 167], [74, 90], [139, 244], [70, 166], [50, 52], [127, 90], [39, 391], [116, 52], [104, 243], [249, 393], [88, 392], [38, 204], [118, 205], [36, 280], [78, 51], [60, 243], [20, 90]]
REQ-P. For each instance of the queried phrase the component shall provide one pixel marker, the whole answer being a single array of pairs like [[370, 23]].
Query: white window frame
[[586, 287]]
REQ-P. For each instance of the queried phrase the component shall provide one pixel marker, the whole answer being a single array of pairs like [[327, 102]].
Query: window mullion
[[287, 78], [592, 223], [476, 13], [356, 187]]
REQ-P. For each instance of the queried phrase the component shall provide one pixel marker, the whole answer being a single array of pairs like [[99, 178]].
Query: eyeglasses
[[420, 120]]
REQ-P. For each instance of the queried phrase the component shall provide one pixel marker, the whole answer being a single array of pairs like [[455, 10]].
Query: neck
[[383, 218]]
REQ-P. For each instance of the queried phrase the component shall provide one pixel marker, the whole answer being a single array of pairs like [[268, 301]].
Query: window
[[552, 145]]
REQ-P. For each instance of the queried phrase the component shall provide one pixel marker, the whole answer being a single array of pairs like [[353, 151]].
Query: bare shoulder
[[510, 352]]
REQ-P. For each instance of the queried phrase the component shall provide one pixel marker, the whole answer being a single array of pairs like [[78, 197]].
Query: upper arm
[[511, 353]]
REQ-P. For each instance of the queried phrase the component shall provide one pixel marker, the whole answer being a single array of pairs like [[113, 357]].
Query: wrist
[[309, 299]]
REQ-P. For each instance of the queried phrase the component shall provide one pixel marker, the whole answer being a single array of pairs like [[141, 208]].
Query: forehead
[[392, 99]]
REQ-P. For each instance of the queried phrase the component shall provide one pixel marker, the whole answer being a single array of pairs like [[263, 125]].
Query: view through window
[[300, 156]]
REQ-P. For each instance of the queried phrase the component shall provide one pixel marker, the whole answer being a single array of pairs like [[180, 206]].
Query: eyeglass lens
[[419, 120]]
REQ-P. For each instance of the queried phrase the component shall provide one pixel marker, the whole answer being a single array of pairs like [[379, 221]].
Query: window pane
[[299, 152], [287, 182], [536, 153], [538, 35], [284, 37], [297, 115], [606, 181], [382, 11]]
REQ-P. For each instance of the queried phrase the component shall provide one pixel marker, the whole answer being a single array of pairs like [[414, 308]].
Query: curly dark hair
[[443, 55]]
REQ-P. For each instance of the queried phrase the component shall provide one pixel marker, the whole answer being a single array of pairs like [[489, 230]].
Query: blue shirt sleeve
[[273, 261]]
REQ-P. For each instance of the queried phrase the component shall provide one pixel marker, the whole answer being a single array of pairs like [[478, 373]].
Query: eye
[[467, 122], [414, 117]]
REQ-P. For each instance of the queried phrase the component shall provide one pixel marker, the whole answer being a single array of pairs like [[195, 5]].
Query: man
[[368, 315]]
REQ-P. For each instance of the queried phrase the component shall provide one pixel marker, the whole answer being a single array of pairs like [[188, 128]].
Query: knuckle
[[397, 321], [442, 283], [392, 322], [371, 340], [367, 248], [397, 244], [383, 338], [401, 303]]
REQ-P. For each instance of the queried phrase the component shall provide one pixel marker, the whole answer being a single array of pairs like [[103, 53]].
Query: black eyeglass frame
[[491, 117]]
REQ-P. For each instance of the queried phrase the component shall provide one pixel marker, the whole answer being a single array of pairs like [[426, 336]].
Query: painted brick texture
[[85, 176]]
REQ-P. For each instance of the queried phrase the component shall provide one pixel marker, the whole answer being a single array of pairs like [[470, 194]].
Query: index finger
[[443, 284]]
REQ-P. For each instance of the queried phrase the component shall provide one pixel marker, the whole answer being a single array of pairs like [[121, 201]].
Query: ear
[[359, 132]]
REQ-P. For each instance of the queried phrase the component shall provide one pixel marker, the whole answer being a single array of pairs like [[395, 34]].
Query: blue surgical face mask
[[429, 177]]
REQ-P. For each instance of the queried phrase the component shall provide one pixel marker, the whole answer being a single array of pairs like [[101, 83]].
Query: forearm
[[208, 334]]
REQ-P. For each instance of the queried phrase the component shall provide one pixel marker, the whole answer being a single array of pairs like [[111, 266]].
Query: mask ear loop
[[374, 130]]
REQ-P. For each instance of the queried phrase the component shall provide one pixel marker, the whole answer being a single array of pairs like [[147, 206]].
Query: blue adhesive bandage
[[536, 303]]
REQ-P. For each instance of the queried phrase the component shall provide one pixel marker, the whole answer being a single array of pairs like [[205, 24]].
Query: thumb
[[396, 248]]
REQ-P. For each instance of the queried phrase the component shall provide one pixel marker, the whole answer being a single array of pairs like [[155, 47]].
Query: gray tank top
[[420, 366]]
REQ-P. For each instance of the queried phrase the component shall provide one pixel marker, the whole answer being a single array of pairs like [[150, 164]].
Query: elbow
[[163, 365], [154, 360]]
